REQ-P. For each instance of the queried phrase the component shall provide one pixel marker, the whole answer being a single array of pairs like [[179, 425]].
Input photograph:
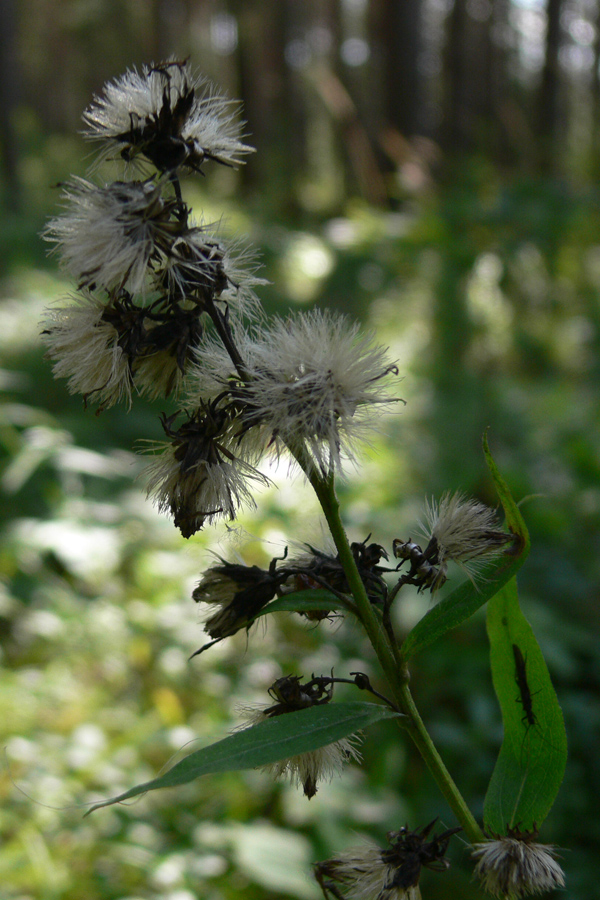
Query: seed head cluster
[[164, 304]]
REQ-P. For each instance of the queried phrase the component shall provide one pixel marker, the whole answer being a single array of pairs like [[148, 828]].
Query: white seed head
[[464, 529], [170, 104], [514, 867], [314, 383], [205, 490], [108, 235], [86, 351]]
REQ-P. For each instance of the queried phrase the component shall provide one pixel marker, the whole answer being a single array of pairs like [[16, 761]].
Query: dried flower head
[[314, 385], [457, 528], [315, 568], [515, 865], [109, 235], [464, 529], [201, 474], [202, 266], [371, 873], [87, 350], [238, 592], [171, 335], [167, 115], [306, 769]]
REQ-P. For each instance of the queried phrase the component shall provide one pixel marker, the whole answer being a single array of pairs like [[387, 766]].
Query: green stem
[[435, 764], [389, 655]]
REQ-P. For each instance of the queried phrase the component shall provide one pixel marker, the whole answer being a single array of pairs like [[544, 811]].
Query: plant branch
[[387, 651]]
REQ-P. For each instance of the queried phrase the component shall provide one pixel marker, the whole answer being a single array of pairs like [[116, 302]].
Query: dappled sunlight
[[305, 263]]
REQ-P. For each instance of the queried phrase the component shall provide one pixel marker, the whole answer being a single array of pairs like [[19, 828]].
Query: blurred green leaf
[[265, 743], [514, 519], [533, 756], [469, 597]]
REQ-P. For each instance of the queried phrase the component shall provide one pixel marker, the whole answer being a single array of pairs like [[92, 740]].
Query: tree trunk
[[550, 100], [9, 91]]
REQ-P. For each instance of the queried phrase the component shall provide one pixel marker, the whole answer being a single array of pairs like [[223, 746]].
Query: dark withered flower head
[[201, 473], [515, 865], [370, 873], [238, 593], [203, 266], [315, 568], [171, 335], [305, 769], [169, 116]]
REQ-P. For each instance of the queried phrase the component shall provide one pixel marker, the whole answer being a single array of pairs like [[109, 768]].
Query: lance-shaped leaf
[[532, 759], [275, 738], [305, 601], [469, 597]]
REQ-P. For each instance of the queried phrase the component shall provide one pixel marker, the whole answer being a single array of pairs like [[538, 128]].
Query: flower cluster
[[147, 274], [235, 594], [163, 306], [160, 305]]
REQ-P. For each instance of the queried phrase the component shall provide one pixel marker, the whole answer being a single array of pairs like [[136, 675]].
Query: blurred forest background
[[431, 168]]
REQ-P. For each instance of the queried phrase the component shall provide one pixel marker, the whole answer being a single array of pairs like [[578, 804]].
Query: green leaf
[[514, 519], [533, 756], [304, 601], [469, 597], [277, 738]]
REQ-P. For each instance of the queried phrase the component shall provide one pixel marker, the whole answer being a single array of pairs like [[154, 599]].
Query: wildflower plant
[[165, 306]]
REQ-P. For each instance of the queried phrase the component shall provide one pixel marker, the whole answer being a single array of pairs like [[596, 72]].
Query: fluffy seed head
[[167, 115], [515, 866], [314, 384], [109, 235], [202, 473], [201, 264], [362, 874], [86, 350], [463, 529], [389, 874], [238, 592], [306, 769]]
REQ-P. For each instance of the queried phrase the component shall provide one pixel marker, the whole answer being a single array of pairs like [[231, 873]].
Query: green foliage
[[95, 603], [533, 757], [316, 599], [267, 742]]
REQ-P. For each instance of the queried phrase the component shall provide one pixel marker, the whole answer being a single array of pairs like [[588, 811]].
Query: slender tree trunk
[[396, 35], [549, 100], [9, 91], [456, 132]]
